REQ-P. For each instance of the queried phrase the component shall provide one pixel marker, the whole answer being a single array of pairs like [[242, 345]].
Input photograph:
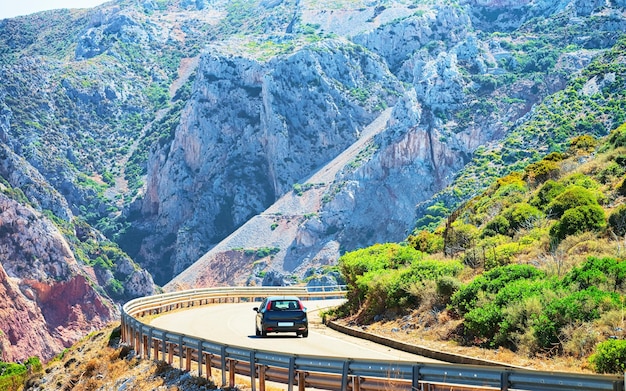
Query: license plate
[[285, 324]]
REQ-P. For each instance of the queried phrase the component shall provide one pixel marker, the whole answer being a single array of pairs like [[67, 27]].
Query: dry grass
[[99, 362]]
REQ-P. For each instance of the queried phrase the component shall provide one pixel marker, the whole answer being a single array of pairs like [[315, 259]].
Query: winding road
[[233, 324]]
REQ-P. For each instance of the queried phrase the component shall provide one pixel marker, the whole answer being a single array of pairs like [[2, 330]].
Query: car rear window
[[282, 305]]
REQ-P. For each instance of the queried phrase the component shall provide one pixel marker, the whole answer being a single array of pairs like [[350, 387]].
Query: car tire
[[305, 334], [256, 331]]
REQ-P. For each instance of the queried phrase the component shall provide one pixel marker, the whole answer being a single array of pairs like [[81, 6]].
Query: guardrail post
[[208, 358], [155, 351], [262, 378], [301, 380], [253, 370], [223, 364], [188, 359], [170, 353], [417, 376], [180, 351], [356, 383], [200, 358], [231, 372], [145, 347], [504, 381], [292, 370], [344, 375], [137, 346]]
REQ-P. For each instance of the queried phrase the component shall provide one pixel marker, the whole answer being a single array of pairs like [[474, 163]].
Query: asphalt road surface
[[233, 324]]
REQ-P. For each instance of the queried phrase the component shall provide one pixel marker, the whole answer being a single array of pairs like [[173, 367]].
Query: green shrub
[[610, 357], [491, 282], [583, 144], [542, 171], [548, 192], [493, 321], [521, 216], [498, 225], [607, 273], [618, 137], [578, 220], [621, 189], [13, 375], [447, 286], [390, 276], [573, 196], [426, 241]]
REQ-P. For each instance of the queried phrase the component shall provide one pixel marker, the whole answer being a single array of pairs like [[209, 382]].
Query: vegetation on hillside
[[534, 264], [592, 103]]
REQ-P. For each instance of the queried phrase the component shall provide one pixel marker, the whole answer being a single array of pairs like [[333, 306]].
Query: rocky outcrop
[[252, 131], [48, 300]]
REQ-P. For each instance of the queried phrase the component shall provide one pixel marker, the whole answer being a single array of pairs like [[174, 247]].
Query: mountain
[[189, 143]]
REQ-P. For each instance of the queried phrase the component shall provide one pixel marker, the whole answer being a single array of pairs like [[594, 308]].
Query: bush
[[498, 225], [608, 274], [492, 282], [446, 287], [549, 191], [578, 220], [13, 375], [610, 357], [618, 137], [390, 276], [426, 241], [573, 196], [522, 216], [583, 144], [542, 171]]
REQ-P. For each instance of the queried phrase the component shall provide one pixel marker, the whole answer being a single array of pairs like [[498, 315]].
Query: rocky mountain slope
[[161, 133]]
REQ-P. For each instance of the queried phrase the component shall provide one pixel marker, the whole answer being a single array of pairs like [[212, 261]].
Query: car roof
[[272, 298]]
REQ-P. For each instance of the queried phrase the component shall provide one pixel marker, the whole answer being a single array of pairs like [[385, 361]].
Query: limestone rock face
[[252, 131]]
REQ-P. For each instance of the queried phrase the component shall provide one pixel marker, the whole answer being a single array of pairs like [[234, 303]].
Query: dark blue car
[[281, 314]]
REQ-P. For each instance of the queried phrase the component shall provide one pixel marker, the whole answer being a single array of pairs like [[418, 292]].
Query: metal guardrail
[[322, 372]]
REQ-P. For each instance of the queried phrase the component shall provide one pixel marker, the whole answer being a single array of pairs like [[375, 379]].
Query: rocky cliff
[[48, 300]]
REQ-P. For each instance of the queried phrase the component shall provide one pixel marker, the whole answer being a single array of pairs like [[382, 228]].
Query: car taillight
[[267, 306], [301, 305]]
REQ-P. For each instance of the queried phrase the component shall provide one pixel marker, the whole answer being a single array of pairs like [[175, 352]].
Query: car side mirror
[[256, 309]]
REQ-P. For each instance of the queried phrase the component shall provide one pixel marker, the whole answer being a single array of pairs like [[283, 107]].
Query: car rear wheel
[[256, 331]]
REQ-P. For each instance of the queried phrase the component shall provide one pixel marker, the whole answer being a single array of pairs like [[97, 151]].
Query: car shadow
[[276, 336]]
